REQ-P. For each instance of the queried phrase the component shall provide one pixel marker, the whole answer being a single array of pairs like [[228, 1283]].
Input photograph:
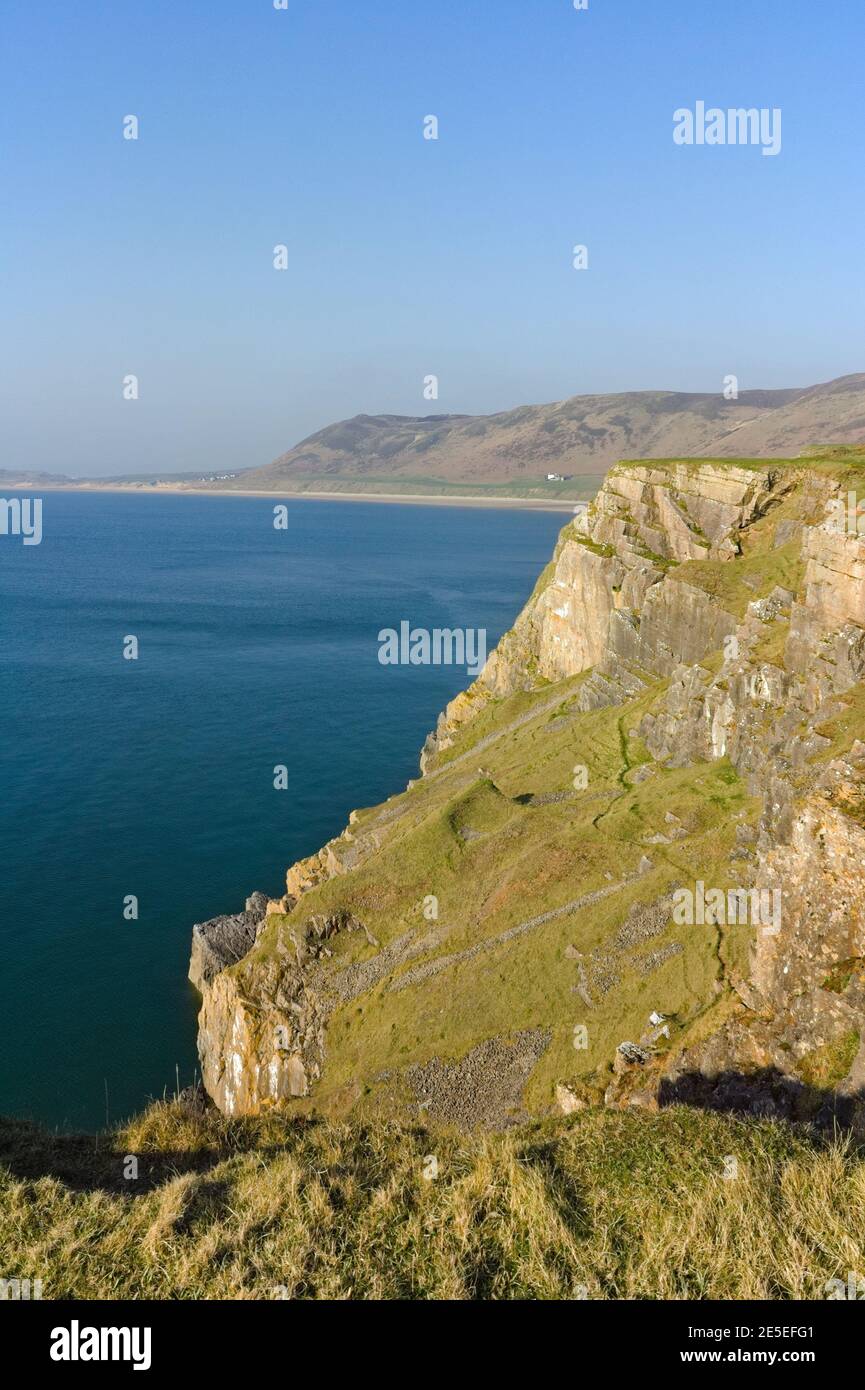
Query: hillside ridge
[[509, 455], [582, 435]]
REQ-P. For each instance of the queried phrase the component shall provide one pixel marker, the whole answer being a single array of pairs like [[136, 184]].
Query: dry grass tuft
[[606, 1205]]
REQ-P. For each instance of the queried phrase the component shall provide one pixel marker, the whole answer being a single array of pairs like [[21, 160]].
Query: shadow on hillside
[[83, 1166], [766, 1094], [89, 1163], [562, 1187], [85, 1163]]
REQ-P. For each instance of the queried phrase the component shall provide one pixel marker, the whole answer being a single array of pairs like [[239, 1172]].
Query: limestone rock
[[261, 1030], [220, 942], [568, 1101]]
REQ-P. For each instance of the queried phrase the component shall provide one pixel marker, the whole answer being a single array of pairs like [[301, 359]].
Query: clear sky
[[409, 257]]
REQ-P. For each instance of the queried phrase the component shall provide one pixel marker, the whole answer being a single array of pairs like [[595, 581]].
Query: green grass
[[735, 584], [844, 729], [824, 456], [495, 851], [606, 551], [825, 1067], [607, 1205], [770, 649]]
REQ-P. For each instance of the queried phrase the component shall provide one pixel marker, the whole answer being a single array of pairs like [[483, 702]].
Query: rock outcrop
[[611, 600], [261, 1029], [722, 608], [225, 940]]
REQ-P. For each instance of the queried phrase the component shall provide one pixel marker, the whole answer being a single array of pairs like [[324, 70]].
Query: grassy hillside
[[501, 851], [509, 454], [682, 1205], [584, 435], [516, 899]]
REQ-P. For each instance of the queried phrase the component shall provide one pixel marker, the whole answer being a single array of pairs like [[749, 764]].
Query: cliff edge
[[629, 872]]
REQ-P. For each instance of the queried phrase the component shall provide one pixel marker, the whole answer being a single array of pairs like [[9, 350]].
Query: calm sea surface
[[154, 777]]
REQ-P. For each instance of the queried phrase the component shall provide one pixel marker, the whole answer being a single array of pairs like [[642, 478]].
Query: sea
[[192, 699]]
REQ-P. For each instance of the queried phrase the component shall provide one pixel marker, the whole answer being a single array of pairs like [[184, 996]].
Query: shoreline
[[564, 505]]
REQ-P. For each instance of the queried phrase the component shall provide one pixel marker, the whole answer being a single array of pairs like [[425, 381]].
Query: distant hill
[[31, 477], [511, 453], [581, 436]]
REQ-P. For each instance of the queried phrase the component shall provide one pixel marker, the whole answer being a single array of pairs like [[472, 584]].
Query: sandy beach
[[564, 505]]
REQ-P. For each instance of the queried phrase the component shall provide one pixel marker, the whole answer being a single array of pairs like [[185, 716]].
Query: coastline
[[563, 505]]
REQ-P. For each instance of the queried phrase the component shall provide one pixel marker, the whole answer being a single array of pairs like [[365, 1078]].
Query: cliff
[[629, 871]]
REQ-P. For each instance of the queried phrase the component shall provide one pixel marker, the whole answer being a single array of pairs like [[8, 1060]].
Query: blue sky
[[408, 257]]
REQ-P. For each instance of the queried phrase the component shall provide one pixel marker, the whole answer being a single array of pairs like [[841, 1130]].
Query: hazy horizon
[[82, 474]]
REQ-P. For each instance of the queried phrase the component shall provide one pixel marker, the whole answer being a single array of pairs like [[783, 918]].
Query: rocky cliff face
[[706, 614], [605, 605]]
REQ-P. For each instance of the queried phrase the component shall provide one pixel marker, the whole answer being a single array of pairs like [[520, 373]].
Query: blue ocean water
[[154, 777]]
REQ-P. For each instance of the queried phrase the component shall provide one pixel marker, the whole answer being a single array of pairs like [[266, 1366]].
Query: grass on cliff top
[[606, 1205], [693, 465], [823, 457]]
